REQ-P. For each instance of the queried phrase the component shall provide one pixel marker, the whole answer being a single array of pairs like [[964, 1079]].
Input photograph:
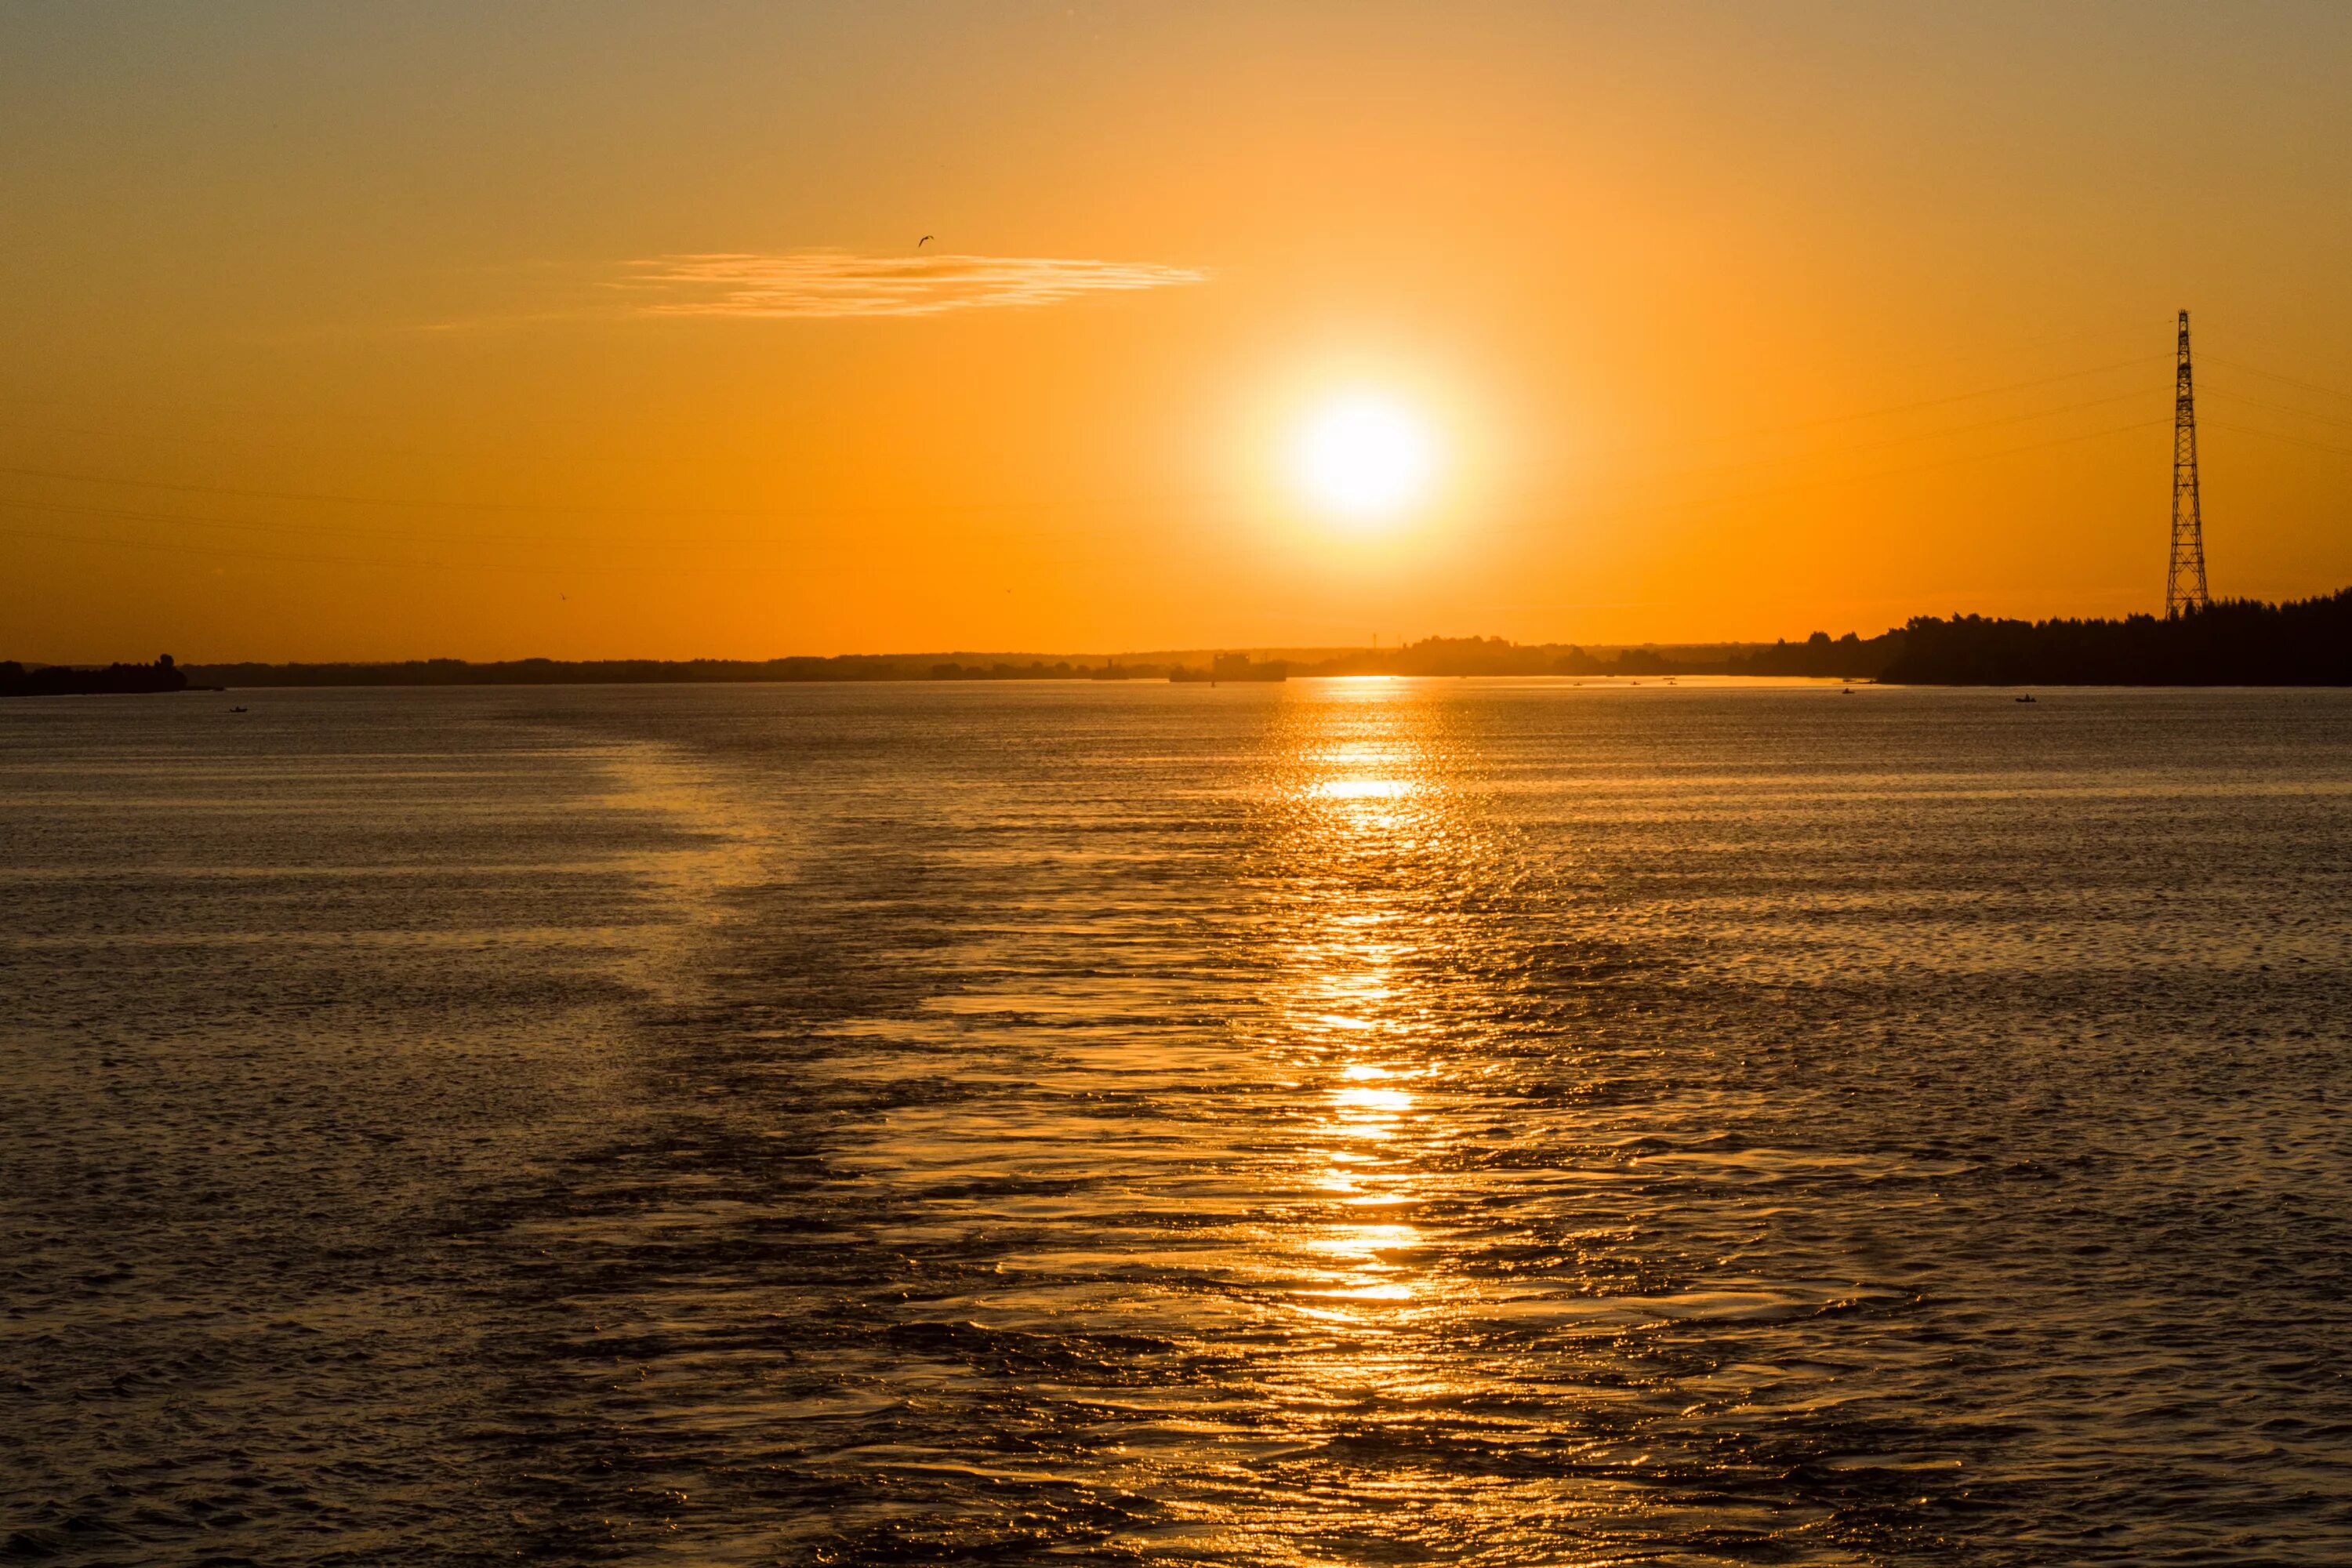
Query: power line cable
[[330, 531], [1738, 497], [324, 498], [2205, 358], [1970, 396], [2228, 395], [2278, 436], [568, 568], [444, 503]]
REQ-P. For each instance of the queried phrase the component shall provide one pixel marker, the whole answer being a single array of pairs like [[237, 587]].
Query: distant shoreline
[[2231, 643], [1434, 657]]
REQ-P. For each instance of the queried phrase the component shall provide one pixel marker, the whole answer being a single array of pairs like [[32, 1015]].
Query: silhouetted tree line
[[1848, 657], [1233, 667], [626, 671], [1035, 670], [1851, 657], [1438, 656], [2235, 642], [66, 679]]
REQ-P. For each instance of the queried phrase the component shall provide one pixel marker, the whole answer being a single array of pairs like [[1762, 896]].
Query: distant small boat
[[1233, 667], [240, 709], [2025, 699]]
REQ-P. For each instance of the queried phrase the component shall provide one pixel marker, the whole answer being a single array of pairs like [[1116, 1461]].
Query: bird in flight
[[922, 242]]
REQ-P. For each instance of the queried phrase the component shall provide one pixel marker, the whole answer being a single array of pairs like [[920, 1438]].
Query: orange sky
[[378, 332]]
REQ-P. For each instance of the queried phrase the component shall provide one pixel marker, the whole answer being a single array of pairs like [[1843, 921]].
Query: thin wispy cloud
[[831, 283]]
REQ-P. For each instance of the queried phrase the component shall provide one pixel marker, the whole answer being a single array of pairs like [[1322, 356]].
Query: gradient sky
[[582, 329]]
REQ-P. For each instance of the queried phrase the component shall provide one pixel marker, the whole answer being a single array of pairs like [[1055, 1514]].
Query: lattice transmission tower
[[2184, 584]]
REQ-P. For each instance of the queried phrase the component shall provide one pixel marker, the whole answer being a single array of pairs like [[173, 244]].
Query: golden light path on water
[[1345, 1018], [1369, 847]]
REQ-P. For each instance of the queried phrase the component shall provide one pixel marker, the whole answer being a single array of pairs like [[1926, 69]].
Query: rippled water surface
[[1334, 1124]]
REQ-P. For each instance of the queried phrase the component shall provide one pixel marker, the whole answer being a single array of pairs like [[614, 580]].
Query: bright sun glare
[[1363, 457]]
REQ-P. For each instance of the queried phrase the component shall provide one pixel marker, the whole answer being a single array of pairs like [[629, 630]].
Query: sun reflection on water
[[1366, 809], [1364, 789]]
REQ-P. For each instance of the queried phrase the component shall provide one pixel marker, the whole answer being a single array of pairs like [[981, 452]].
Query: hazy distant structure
[[2184, 583]]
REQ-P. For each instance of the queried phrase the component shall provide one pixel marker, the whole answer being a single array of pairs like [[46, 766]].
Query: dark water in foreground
[[1339, 1123]]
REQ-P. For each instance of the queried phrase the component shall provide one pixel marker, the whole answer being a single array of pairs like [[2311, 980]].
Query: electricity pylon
[[2184, 583]]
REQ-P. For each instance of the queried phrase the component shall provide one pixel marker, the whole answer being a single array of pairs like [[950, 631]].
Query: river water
[[1342, 1122]]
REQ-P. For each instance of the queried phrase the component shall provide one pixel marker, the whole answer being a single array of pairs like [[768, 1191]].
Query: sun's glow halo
[[1363, 457]]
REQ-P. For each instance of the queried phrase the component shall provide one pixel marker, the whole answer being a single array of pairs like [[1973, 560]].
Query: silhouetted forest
[[1849, 656], [66, 679], [540, 672], [2236, 642]]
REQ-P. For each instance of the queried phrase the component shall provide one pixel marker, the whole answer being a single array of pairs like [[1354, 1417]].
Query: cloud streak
[[837, 283]]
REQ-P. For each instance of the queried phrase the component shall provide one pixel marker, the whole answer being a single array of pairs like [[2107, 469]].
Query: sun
[[1363, 457]]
